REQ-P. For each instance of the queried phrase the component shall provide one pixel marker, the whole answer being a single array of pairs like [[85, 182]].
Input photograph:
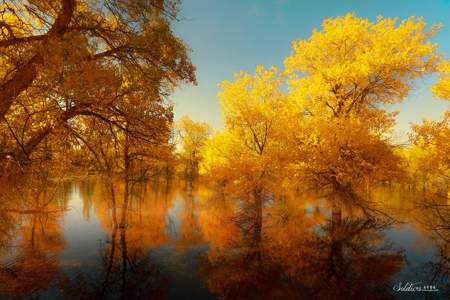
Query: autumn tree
[[69, 58], [249, 156], [428, 156], [132, 136], [192, 137], [249, 153], [342, 78], [352, 66], [430, 150]]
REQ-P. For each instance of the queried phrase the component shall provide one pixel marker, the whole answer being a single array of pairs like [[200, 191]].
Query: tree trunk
[[27, 73]]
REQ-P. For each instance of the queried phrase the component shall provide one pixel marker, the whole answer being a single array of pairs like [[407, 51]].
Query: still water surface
[[181, 242]]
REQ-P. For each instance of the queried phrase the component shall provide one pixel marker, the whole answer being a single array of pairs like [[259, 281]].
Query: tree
[[352, 66], [68, 58], [346, 157], [340, 78], [429, 155], [193, 136], [250, 152], [430, 151]]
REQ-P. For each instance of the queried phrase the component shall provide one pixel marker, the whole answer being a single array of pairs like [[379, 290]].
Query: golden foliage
[[193, 136], [250, 150], [429, 155], [353, 64], [66, 62]]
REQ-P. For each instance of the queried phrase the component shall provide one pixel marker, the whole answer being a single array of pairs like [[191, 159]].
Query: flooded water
[[87, 240]]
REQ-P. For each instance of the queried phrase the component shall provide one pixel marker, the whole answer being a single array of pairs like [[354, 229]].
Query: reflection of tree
[[439, 268], [145, 212], [289, 255], [437, 216], [86, 191], [126, 269], [351, 260], [190, 234], [237, 267], [31, 214], [216, 221], [434, 213]]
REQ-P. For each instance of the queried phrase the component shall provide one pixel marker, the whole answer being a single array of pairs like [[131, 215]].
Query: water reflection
[[30, 240], [285, 254], [125, 270], [436, 218], [167, 240]]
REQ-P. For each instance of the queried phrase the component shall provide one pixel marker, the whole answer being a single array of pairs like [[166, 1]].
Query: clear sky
[[228, 36]]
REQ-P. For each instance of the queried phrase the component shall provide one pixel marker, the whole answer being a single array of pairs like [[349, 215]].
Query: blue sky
[[228, 36]]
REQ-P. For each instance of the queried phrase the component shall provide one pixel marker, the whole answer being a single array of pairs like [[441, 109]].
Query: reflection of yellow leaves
[[36, 213], [27, 274], [216, 222], [146, 221]]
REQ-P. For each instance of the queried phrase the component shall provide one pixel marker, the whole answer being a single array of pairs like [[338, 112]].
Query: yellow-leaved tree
[[251, 152], [429, 155], [193, 136], [65, 61], [352, 66], [342, 78]]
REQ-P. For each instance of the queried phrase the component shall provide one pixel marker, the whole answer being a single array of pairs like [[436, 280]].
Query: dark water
[[175, 242]]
